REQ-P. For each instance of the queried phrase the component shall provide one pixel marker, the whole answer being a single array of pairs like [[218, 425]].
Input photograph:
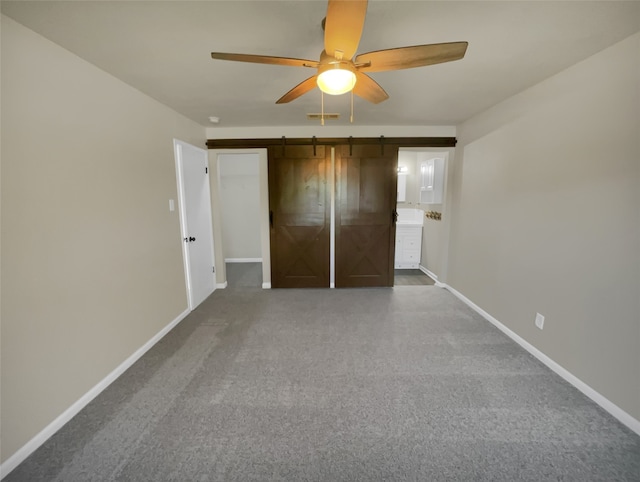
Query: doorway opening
[[423, 225], [243, 217]]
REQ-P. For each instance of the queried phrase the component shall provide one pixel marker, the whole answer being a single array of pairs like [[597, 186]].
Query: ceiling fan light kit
[[340, 70], [336, 79]]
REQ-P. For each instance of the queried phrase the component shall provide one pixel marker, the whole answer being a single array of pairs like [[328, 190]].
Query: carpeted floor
[[337, 385], [411, 277], [244, 276]]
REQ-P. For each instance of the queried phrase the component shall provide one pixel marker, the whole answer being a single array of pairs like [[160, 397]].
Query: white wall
[[546, 218], [91, 255], [240, 205]]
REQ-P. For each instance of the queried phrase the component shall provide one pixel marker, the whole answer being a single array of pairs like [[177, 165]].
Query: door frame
[[182, 211], [444, 227], [265, 243]]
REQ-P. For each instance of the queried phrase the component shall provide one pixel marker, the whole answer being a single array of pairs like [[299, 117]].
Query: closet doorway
[[242, 212]]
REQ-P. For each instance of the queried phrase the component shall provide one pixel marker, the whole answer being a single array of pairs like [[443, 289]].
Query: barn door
[[366, 177], [299, 216]]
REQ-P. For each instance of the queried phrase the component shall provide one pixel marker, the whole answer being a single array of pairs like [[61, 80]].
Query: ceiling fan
[[338, 71]]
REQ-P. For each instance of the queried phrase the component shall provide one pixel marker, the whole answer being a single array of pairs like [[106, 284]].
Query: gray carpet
[[244, 276], [337, 385], [411, 277]]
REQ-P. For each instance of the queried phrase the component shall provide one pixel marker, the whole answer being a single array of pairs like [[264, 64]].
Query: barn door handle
[[271, 218], [394, 216]]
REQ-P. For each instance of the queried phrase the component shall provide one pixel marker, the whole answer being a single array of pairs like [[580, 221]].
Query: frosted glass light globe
[[336, 81]]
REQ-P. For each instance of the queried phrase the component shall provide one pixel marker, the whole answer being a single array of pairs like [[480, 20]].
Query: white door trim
[[265, 240]]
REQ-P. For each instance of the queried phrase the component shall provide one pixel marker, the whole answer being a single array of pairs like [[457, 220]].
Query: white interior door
[[195, 220]]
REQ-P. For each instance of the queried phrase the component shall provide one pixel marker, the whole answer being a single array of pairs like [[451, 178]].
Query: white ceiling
[[163, 49]]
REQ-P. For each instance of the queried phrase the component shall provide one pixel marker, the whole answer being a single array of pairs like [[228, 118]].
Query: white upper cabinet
[[431, 175]]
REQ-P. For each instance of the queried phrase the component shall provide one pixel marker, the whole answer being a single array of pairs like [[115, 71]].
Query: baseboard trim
[[243, 260], [33, 444], [622, 416], [221, 285], [266, 286], [431, 275]]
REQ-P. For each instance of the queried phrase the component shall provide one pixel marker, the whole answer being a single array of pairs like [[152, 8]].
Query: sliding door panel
[[299, 206], [366, 178]]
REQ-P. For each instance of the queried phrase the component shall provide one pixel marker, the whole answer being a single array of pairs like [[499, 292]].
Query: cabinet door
[[412, 242], [432, 180], [365, 227], [427, 175], [299, 207], [408, 247], [399, 249]]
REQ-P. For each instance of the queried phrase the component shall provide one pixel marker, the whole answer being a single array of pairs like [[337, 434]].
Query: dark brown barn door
[[300, 216], [365, 225]]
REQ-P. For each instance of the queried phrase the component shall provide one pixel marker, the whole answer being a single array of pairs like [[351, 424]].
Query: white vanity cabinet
[[408, 246]]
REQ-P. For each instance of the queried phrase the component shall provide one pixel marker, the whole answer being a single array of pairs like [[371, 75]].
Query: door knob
[[191, 238]]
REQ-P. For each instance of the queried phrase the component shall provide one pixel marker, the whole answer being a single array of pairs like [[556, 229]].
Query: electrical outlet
[[539, 320]]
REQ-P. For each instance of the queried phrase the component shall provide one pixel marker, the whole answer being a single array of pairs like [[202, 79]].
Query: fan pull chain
[[322, 109], [351, 118]]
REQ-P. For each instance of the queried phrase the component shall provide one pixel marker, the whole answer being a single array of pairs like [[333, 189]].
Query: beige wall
[[329, 131], [91, 256], [546, 219]]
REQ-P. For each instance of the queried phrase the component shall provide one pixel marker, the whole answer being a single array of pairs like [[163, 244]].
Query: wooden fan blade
[[265, 59], [300, 89], [369, 89], [343, 27], [409, 57]]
